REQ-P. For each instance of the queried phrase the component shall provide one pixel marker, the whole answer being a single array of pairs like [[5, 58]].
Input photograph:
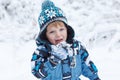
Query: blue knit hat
[[51, 13]]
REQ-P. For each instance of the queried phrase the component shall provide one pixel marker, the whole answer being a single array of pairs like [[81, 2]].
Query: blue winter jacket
[[46, 69]]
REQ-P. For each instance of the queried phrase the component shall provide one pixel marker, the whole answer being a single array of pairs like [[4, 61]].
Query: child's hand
[[59, 51]]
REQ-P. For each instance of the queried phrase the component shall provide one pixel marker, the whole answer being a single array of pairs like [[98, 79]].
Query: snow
[[97, 26]]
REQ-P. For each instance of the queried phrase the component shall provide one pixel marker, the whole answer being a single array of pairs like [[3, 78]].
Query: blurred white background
[[97, 26]]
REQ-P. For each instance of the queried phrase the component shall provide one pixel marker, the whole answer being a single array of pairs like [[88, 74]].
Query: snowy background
[[97, 26]]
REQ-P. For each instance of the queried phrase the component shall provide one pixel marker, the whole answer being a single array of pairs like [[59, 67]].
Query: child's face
[[56, 32]]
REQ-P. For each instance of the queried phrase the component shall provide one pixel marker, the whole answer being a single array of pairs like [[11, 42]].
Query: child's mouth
[[58, 41]]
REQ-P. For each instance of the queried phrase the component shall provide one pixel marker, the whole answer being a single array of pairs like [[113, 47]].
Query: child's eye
[[51, 32], [62, 29]]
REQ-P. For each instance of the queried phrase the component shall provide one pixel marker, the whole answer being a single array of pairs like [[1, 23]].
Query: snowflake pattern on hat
[[50, 13], [41, 20]]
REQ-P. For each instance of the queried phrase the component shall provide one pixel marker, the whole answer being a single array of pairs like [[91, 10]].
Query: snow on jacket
[[45, 69]]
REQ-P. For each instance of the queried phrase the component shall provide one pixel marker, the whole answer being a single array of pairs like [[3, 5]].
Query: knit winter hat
[[51, 13]]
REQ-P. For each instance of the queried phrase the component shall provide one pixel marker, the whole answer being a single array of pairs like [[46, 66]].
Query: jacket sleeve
[[88, 67], [40, 64]]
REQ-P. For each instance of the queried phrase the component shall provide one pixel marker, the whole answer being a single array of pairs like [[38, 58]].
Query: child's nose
[[58, 33]]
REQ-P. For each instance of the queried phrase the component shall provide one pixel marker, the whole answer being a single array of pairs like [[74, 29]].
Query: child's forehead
[[56, 23]]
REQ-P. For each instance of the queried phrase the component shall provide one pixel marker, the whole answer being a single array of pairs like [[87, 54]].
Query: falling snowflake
[[41, 20], [50, 13]]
